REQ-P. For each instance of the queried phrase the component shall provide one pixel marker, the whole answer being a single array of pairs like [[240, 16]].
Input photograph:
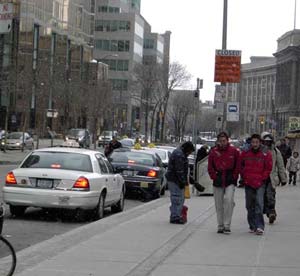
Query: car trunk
[[46, 178]]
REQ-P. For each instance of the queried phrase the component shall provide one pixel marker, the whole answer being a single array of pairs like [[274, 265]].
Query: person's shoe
[[227, 231], [252, 231], [259, 232], [220, 231], [177, 221]]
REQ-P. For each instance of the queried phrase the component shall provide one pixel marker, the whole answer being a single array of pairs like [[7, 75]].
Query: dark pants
[[270, 199], [177, 200], [293, 176], [255, 207]]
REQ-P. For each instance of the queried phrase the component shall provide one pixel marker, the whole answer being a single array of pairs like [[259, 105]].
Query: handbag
[[187, 193]]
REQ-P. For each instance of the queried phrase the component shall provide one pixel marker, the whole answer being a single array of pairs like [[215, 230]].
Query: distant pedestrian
[[223, 169], [285, 150], [293, 167], [201, 154], [256, 166], [278, 174], [113, 144], [177, 177]]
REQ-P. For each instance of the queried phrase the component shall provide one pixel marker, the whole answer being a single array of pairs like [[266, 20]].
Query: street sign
[[233, 112], [52, 113], [6, 16], [294, 123], [228, 66]]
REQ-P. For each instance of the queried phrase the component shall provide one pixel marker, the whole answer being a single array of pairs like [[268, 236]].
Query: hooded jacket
[[278, 173], [256, 167], [178, 168], [223, 165]]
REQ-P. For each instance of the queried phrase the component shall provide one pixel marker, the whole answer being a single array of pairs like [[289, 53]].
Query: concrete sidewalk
[[142, 242]]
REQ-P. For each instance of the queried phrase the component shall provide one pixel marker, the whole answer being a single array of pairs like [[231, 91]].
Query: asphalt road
[[36, 225]]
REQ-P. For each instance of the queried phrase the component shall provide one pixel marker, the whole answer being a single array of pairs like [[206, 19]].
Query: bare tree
[[148, 84], [180, 110], [178, 76]]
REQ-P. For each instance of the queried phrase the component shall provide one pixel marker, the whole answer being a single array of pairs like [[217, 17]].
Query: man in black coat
[[113, 144], [177, 177]]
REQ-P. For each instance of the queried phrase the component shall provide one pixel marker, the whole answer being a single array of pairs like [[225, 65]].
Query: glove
[[199, 187]]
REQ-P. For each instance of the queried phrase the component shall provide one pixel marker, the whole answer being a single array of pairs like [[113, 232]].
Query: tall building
[[123, 38]]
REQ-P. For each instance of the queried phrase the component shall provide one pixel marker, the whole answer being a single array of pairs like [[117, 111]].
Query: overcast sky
[[253, 27]]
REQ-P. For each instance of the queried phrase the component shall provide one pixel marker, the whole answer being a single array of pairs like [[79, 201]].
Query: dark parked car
[[142, 171], [82, 136]]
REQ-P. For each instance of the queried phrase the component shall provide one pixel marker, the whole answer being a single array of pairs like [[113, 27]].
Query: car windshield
[[15, 135], [161, 153], [59, 160], [76, 132], [131, 157], [106, 133]]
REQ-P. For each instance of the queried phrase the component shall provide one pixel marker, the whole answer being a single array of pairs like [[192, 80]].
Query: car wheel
[[99, 211], [119, 207], [17, 211]]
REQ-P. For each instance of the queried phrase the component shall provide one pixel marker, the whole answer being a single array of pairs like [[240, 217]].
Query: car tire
[[17, 211], [119, 207], [99, 210]]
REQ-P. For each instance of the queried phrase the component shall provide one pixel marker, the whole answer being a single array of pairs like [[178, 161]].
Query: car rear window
[[132, 158], [59, 160], [162, 154]]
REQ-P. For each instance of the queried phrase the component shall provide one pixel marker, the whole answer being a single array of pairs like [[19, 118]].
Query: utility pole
[[295, 15], [224, 47], [196, 104]]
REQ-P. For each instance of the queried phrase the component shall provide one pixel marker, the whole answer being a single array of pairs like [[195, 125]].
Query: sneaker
[[252, 231], [259, 231], [220, 231], [227, 231]]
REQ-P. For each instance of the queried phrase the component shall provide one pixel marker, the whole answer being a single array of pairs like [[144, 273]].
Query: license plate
[[128, 173], [45, 184], [144, 185]]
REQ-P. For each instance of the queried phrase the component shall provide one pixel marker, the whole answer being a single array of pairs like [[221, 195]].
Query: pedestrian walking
[[113, 144], [285, 150], [293, 167], [278, 174], [256, 166], [223, 169], [177, 177]]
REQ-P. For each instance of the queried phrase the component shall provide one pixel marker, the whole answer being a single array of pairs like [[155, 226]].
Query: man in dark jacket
[[285, 150], [177, 177], [113, 144], [223, 169]]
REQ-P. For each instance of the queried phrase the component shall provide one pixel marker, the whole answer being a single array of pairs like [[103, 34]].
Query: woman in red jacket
[[256, 166]]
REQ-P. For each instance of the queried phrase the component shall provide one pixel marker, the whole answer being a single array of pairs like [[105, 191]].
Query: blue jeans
[[255, 207], [177, 200]]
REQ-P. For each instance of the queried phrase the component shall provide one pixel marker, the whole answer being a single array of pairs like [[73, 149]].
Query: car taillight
[[152, 173], [10, 179], [82, 183]]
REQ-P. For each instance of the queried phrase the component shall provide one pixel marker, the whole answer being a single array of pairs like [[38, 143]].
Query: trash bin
[[1, 217]]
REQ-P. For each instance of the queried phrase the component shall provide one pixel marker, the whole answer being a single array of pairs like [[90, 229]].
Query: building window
[[119, 84], [109, 9], [149, 44], [112, 26], [117, 64], [113, 45]]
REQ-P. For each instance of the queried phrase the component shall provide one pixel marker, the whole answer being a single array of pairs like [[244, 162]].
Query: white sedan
[[65, 178]]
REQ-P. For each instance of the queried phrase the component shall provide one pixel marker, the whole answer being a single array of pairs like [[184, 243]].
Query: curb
[[31, 256]]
